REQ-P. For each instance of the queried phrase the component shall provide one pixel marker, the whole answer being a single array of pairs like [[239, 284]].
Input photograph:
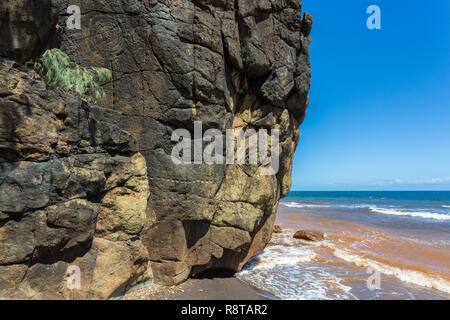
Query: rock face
[[28, 27], [73, 192], [239, 64]]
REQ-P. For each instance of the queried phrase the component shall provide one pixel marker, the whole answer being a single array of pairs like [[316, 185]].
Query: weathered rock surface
[[309, 235], [228, 63], [27, 27], [73, 191]]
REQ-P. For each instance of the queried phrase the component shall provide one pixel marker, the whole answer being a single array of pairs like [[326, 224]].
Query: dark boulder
[[309, 235]]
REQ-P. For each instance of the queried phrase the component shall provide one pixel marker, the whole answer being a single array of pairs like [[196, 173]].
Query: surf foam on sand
[[407, 243]]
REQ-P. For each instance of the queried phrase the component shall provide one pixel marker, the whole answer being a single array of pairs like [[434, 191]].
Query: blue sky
[[379, 114]]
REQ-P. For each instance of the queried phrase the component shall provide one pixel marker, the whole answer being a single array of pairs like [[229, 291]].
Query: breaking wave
[[416, 214], [391, 210], [287, 273], [407, 275]]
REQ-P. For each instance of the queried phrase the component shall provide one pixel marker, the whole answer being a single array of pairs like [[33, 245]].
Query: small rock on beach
[[277, 229], [309, 235]]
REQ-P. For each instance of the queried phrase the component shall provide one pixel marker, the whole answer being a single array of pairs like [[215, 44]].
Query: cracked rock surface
[[95, 186], [73, 192]]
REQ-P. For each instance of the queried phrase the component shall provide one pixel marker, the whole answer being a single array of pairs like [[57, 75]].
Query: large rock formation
[[73, 192], [28, 28], [74, 184]]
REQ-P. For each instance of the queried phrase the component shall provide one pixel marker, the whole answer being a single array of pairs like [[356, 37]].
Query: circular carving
[[106, 37]]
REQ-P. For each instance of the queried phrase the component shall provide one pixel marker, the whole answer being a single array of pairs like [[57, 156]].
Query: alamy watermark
[[73, 281], [374, 20], [74, 20], [374, 281], [236, 146]]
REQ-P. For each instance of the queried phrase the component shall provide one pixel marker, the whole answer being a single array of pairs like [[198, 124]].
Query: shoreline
[[360, 246], [212, 285]]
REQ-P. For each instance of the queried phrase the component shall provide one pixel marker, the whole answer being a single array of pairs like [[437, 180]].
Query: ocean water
[[379, 245]]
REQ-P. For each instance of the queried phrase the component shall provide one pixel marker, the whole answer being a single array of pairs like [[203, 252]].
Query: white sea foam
[[417, 214], [287, 273], [308, 205], [293, 272], [391, 210], [281, 256], [411, 276], [303, 205]]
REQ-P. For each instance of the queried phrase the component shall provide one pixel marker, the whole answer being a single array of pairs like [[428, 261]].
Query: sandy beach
[[208, 286]]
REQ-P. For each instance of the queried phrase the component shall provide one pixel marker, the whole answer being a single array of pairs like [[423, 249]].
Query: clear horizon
[[379, 113]]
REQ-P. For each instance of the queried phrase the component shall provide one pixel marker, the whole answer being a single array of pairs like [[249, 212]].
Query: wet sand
[[209, 286]]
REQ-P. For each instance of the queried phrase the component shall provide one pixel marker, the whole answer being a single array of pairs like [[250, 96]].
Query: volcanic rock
[[95, 186]]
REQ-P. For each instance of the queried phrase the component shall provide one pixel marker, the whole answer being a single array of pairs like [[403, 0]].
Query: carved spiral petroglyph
[[106, 37]]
